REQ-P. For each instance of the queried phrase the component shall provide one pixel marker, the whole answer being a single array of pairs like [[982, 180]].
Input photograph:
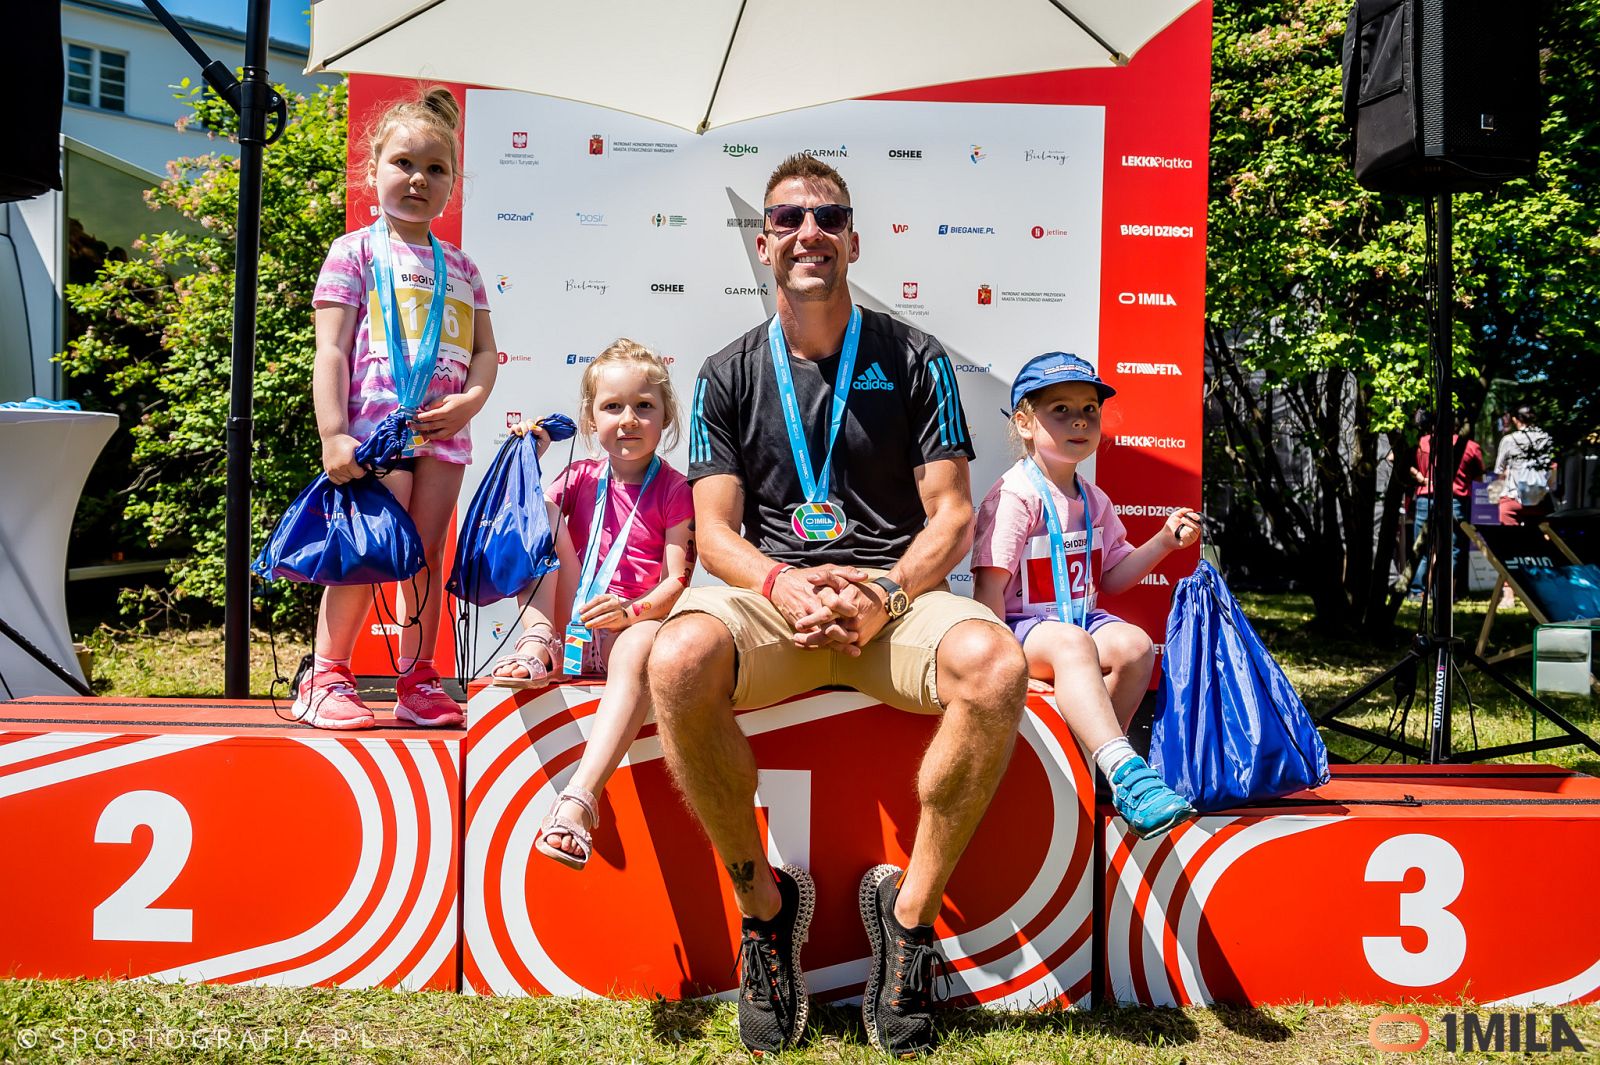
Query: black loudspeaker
[[1442, 95], [31, 82]]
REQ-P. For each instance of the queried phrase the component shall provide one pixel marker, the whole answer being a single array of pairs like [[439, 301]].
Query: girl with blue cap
[[1047, 542]]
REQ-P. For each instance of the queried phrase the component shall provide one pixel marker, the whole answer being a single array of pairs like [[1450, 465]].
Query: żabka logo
[[737, 150], [1493, 1033]]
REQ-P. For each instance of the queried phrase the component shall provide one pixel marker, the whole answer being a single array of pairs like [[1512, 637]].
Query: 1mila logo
[[1494, 1033]]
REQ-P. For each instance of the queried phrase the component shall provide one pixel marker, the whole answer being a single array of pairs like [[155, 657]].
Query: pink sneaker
[[327, 698], [421, 701]]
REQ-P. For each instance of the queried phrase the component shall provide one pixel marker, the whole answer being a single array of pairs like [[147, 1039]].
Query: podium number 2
[[127, 915], [1425, 909]]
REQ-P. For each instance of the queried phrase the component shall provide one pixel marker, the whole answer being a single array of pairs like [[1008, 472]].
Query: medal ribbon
[[411, 375], [596, 574], [1058, 546], [815, 487]]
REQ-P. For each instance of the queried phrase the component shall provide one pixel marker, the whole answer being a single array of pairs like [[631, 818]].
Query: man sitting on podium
[[835, 437]]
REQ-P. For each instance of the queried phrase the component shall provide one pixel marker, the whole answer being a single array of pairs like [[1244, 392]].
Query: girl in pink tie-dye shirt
[[414, 159]]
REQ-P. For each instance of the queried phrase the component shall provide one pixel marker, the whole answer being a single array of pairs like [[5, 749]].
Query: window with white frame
[[97, 78]]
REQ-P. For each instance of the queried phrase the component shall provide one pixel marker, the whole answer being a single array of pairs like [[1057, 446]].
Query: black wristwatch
[[898, 602]]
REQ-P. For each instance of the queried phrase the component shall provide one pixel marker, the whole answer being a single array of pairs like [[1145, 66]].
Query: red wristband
[[772, 578]]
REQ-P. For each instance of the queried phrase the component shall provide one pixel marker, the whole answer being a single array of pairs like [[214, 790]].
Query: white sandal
[[553, 822], [523, 655]]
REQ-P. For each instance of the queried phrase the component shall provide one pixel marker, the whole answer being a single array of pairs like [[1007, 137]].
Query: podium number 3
[[1425, 909], [127, 915]]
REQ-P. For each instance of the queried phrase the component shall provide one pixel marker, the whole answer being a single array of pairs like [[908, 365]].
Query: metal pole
[[1444, 475], [255, 103]]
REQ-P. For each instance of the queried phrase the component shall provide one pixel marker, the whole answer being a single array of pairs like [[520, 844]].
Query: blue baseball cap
[[1052, 368]]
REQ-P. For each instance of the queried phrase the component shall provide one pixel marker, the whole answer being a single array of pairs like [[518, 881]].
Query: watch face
[[898, 603]]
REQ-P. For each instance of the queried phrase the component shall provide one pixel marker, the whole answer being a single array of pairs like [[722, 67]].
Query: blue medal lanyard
[[596, 574], [1058, 546], [815, 487], [411, 375]]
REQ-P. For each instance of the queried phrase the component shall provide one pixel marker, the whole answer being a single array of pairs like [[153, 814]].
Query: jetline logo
[[1040, 232], [1492, 1033], [739, 150]]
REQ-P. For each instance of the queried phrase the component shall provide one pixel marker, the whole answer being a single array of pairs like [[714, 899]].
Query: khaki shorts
[[898, 667]]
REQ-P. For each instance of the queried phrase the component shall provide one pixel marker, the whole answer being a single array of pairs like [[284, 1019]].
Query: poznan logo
[[513, 216]]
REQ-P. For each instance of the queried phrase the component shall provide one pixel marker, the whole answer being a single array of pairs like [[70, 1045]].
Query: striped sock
[[1111, 754]]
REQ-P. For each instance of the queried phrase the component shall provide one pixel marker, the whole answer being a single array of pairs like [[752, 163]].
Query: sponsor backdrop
[[1008, 217]]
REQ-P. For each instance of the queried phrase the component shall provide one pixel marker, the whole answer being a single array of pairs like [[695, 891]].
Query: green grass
[[165, 1022], [187, 1022]]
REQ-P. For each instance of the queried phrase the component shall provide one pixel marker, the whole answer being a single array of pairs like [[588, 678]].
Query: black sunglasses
[[831, 218]]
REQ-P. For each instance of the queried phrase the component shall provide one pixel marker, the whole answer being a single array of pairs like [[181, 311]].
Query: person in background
[[1525, 464], [1469, 467]]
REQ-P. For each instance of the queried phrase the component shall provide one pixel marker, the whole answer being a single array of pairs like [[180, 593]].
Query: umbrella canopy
[[699, 64]]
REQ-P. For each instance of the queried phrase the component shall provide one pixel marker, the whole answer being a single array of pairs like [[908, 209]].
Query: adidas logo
[[872, 377]]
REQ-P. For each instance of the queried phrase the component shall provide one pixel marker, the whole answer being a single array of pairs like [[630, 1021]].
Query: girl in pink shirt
[[389, 322], [623, 536], [1046, 542]]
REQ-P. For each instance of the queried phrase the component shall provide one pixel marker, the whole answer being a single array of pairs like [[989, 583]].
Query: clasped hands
[[830, 607]]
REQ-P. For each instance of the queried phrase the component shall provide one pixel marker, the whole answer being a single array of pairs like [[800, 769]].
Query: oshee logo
[[959, 231], [737, 150], [1494, 1033], [666, 286], [905, 153], [1151, 369]]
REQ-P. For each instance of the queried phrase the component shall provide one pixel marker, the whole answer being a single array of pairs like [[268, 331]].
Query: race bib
[[1038, 584], [413, 291]]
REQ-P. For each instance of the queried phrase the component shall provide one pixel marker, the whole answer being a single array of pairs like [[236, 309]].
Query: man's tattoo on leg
[[744, 877]]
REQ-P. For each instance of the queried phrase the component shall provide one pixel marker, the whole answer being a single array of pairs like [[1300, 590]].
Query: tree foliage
[[159, 329], [1316, 338]]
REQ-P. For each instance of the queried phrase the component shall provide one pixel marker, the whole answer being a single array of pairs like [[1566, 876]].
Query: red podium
[[212, 841], [1390, 883], [653, 914]]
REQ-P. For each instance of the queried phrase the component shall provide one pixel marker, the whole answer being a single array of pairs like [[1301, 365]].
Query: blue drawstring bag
[[506, 542], [1229, 727], [351, 533]]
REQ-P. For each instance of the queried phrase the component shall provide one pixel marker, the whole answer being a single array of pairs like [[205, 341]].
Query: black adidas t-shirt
[[904, 411]]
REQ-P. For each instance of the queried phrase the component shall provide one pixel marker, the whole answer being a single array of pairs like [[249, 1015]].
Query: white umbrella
[[699, 64]]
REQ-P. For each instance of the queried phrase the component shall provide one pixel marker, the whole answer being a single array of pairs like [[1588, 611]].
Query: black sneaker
[[772, 987], [897, 1004]]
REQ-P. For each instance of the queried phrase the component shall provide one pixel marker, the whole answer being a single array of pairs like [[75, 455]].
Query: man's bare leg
[[691, 682], [983, 684]]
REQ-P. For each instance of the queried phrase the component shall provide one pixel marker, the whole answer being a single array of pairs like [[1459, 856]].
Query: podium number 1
[[127, 915], [1424, 909]]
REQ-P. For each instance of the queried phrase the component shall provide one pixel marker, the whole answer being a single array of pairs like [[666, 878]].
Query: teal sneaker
[[1144, 800]]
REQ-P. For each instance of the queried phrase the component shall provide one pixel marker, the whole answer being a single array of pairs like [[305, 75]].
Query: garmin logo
[[1141, 229], [1149, 369], [1146, 299], [737, 150], [1157, 162], [512, 216], [746, 290], [662, 286], [840, 152], [905, 153], [1160, 443]]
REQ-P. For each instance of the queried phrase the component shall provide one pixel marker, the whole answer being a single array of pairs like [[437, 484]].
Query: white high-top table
[[45, 457]]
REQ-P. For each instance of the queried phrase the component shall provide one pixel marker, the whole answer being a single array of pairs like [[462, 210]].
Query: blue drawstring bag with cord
[[1229, 728], [506, 542], [351, 533]]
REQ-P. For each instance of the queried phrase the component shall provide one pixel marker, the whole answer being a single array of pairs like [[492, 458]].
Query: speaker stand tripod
[[1436, 642]]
